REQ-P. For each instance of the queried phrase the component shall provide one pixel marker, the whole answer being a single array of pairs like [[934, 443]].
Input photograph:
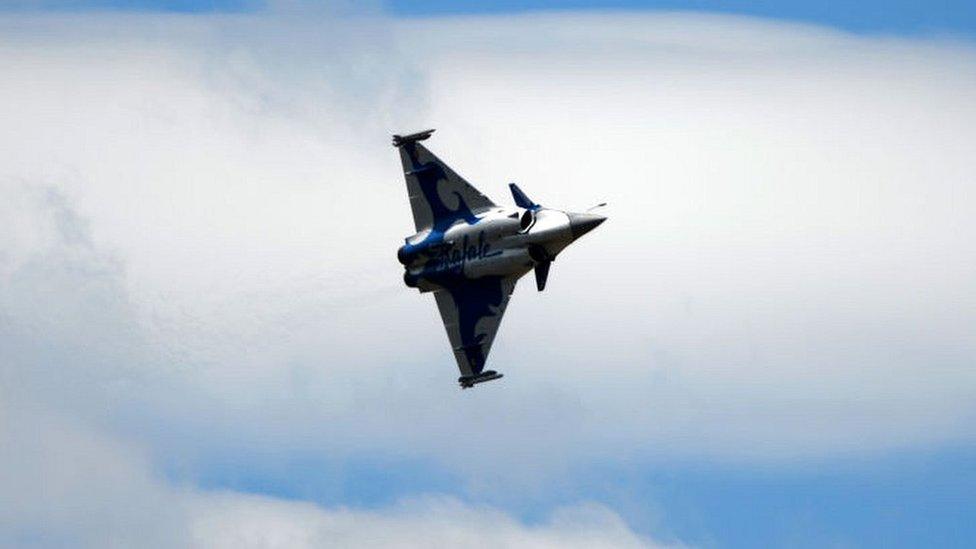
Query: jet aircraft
[[470, 252]]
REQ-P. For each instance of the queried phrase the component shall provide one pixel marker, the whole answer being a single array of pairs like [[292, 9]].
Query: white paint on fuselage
[[496, 245]]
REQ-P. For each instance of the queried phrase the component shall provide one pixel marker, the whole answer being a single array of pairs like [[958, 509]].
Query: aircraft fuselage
[[500, 242]]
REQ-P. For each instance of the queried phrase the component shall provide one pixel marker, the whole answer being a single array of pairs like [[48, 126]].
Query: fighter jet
[[470, 252]]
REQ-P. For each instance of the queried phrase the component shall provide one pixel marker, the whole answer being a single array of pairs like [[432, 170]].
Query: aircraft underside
[[470, 252]]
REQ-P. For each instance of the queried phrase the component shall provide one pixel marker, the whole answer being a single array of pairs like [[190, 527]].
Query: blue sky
[[901, 16], [897, 16], [906, 499], [784, 240]]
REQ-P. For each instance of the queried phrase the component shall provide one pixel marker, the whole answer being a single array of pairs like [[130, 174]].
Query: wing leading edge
[[472, 311]]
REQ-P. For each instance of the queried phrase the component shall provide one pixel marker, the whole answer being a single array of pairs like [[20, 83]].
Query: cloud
[[74, 486], [73, 355], [255, 521], [202, 213]]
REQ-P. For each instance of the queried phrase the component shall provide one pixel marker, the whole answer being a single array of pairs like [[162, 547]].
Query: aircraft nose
[[582, 223]]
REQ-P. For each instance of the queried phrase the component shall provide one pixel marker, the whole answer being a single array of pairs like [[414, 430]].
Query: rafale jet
[[470, 252]]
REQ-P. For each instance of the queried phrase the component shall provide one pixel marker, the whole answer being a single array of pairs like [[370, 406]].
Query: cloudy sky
[[205, 340]]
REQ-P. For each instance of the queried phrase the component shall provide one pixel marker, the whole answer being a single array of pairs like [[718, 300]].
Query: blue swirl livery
[[470, 252]]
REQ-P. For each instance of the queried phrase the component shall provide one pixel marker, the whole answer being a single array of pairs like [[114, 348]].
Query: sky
[[205, 340], [900, 16]]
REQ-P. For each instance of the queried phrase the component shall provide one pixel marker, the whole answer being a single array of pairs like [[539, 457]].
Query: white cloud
[[202, 214], [237, 521], [65, 484]]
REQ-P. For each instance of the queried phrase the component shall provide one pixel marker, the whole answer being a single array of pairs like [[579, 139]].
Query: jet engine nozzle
[[406, 256]]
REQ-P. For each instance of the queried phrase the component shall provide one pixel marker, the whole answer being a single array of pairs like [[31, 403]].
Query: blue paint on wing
[[428, 176], [475, 299]]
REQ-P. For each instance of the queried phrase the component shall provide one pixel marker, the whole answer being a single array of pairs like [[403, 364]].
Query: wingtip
[[400, 140], [468, 382]]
